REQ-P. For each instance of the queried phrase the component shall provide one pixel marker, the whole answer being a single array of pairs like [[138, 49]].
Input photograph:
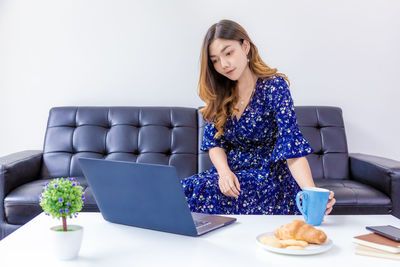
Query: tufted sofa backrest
[[171, 136], [323, 127], [160, 135]]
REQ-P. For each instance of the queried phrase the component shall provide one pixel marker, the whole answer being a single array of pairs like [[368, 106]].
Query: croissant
[[299, 230]]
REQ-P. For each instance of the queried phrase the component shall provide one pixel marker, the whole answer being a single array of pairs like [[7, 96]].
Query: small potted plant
[[63, 198]]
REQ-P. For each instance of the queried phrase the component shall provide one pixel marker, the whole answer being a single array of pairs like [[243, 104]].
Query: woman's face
[[229, 57]]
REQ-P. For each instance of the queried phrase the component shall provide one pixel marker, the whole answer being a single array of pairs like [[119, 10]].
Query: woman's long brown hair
[[218, 92]]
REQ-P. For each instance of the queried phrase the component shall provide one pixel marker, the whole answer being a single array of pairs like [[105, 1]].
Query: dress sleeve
[[290, 142], [208, 138]]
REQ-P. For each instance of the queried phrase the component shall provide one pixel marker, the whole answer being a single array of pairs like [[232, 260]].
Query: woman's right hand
[[228, 184]]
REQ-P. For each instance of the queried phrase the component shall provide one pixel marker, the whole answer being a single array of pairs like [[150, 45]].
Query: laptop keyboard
[[201, 223]]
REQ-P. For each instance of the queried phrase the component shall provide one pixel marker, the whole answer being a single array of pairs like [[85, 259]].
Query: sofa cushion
[[22, 204], [323, 127], [353, 197], [159, 135]]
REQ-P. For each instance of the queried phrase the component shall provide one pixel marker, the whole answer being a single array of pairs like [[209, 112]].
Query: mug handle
[[303, 206]]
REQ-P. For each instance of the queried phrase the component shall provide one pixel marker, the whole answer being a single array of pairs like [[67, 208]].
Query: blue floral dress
[[257, 146]]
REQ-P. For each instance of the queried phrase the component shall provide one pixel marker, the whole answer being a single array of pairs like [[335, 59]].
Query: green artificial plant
[[62, 198]]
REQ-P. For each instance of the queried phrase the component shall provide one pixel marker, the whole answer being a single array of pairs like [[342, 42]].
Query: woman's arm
[[301, 172], [228, 182], [219, 159]]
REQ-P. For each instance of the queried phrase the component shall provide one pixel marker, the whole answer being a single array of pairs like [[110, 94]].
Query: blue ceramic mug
[[312, 202]]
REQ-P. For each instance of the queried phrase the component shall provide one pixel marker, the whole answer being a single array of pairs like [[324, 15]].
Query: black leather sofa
[[363, 184]]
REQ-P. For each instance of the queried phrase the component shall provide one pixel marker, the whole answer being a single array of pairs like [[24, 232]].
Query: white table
[[108, 244]]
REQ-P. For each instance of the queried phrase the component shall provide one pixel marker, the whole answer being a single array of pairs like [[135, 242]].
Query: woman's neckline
[[235, 119]]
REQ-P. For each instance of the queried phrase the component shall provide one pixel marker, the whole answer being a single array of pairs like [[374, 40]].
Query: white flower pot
[[66, 245]]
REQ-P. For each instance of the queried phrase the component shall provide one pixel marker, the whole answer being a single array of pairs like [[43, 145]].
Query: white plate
[[309, 250]]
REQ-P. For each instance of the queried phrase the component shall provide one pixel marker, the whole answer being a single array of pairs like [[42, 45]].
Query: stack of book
[[377, 246]]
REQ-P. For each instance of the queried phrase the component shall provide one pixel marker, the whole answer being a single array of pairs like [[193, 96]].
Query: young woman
[[251, 132]]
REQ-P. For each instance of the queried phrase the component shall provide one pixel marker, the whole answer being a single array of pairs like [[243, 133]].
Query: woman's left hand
[[331, 202]]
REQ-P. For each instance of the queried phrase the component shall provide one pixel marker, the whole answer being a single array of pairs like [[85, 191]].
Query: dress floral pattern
[[257, 146]]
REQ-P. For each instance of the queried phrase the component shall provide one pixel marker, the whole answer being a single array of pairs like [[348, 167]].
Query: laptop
[[147, 196]]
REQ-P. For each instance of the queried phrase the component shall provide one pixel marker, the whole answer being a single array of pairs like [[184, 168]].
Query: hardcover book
[[373, 252], [378, 241]]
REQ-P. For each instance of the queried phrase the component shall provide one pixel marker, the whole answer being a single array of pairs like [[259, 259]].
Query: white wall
[[97, 52]]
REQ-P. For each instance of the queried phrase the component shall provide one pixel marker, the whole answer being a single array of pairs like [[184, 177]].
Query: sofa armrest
[[380, 173], [18, 168]]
